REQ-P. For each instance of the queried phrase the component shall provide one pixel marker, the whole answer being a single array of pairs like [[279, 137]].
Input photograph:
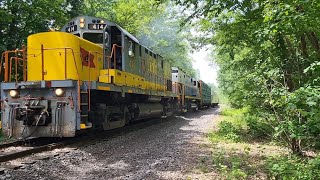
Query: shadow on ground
[[165, 149]]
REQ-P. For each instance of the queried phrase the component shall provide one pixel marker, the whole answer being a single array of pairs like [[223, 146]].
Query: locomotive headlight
[[59, 92], [81, 25], [14, 93], [82, 21]]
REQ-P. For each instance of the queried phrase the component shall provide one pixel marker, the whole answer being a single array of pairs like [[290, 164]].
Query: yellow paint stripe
[[190, 97], [103, 88]]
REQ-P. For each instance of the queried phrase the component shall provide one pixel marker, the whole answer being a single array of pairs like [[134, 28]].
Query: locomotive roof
[[110, 23]]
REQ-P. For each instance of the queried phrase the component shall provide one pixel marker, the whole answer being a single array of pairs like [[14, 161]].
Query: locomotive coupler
[[33, 114]]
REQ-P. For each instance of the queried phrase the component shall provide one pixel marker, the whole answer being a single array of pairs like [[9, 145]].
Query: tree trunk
[[295, 146]]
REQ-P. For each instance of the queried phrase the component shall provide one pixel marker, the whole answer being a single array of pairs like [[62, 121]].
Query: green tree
[[75, 8], [155, 24], [130, 14], [100, 8], [21, 18], [164, 35], [268, 53]]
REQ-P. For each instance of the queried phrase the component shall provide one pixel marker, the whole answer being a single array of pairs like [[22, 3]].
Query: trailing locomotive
[[94, 74]]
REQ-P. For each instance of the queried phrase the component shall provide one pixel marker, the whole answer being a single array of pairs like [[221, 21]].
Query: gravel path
[[169, 149]]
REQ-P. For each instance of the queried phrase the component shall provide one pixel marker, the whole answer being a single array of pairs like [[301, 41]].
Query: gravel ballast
[[168, 149]]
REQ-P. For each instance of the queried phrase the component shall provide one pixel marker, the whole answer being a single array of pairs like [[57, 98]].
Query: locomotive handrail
[[113, 53], [65, 48], [5, 56], [89, 84], [65, 61], [16, 67]]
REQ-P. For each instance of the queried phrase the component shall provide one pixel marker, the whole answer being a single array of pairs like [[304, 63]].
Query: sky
[[201, 61]]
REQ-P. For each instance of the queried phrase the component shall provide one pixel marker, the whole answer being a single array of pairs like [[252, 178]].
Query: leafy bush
[[258, 128], [232, 125], [293, 167], [229, 131], [233, 112], [303, 108], [236, 125]]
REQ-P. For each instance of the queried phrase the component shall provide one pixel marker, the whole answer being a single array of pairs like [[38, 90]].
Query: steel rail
[[33, 150]]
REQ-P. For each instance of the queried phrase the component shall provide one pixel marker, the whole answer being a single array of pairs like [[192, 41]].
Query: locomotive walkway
[[164, 149]]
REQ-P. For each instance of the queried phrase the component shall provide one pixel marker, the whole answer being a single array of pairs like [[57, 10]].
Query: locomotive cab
[[104, 33]]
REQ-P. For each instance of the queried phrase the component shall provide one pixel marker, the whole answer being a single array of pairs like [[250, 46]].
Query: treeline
[[155, 23], [268, 52]]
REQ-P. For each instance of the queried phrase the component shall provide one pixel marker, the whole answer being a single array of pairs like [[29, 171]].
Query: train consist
[[94, 74]]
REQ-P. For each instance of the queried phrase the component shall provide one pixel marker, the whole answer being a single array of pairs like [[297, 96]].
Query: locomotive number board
[[71, 28], [96, 26]]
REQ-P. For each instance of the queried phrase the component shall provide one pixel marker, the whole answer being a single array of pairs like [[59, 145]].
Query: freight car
[[214, 99], [205, 91], [94, 74]]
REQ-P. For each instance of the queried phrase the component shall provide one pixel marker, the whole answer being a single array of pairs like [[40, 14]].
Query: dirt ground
[[169, 149]]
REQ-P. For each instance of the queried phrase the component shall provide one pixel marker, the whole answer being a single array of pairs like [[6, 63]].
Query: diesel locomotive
[[93, 74]]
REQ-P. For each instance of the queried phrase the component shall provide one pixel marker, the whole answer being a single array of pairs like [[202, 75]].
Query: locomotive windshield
[[93, 37]]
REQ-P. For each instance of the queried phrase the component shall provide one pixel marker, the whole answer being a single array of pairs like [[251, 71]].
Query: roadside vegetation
[[268, 53], [242, 148]]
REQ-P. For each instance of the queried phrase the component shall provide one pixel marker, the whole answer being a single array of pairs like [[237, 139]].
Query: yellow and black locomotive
[[93, 75]]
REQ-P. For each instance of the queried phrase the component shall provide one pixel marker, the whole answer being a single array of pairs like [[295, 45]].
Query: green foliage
[[130, 14], [241, 162], [232, 166], [293, 167], [229, 131], [239, 125], [232, 127], [165, 37], [233, 112], [268, 53], [236, 158], [20, 18], [258, 127]]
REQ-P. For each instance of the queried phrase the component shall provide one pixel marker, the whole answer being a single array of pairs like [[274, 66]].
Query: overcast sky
[[200, 61]]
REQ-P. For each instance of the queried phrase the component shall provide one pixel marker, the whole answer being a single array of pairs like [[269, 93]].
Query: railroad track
[[18, 143], [19, 149]]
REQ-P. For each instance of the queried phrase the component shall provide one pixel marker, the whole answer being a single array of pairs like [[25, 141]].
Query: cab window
[[93, 37]]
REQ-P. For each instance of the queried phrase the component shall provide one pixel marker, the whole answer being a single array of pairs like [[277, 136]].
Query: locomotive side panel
[[60, 56]]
